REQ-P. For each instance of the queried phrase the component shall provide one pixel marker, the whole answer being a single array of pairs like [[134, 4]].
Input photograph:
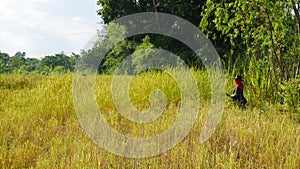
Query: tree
[[3, 67], [259, 39], [59, 69], [16, 61], [187, 9], [20, 54], [32, 64], [60, 59], [4, 57], [260, 29]]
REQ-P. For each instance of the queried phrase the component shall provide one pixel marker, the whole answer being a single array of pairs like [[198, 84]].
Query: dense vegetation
[[267, 31], [258, 39], [19, 64]]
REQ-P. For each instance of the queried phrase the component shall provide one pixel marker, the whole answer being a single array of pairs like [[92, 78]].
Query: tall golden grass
[[40, 129]]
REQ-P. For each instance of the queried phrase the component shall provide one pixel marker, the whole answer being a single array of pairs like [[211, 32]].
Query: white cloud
[[43, 27]]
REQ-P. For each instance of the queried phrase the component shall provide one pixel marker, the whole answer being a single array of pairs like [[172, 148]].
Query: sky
[[46, 27]]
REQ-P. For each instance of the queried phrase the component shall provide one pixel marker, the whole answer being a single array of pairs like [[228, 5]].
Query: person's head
[[238, 78]]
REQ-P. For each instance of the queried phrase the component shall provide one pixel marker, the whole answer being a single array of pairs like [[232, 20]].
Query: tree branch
[[296, 7]]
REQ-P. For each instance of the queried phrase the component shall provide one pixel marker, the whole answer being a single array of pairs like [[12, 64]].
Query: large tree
[[187, 9], [4, 57], [16, 61], [61, 59], [260, 29], [263, 30]]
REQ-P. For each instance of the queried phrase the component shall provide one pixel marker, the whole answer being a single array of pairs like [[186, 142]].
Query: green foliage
[[142, 55], [107, 51], [117, 54], [260, 82], [59, 60], [187, 9], [291, 94], [258, 39], [121, 48], [18, 64], [115, 33], [32, 64], [15, 62], [45, 70], [59, 69], [4, 57], [3, 67], [258, 29]]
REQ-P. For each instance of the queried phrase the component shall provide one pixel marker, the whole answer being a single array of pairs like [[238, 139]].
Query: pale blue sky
[[45, 27]]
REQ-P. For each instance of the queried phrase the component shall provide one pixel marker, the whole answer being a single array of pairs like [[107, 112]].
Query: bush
[[291, 95], [59, 69]]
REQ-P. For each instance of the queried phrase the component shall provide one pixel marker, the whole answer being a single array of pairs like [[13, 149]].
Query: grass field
[[40, 129]]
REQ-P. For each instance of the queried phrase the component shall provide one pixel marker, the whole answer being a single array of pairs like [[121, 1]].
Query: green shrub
[[291, 95]]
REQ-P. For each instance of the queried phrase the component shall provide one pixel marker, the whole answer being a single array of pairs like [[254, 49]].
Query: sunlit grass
[[39, 128]]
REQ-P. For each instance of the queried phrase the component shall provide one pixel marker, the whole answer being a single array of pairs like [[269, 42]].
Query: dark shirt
[[238, 96]]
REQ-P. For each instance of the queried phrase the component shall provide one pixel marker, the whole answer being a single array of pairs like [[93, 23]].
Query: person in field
[[238, 92]]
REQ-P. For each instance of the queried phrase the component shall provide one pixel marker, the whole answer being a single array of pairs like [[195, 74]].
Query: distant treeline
[[19, 64]]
